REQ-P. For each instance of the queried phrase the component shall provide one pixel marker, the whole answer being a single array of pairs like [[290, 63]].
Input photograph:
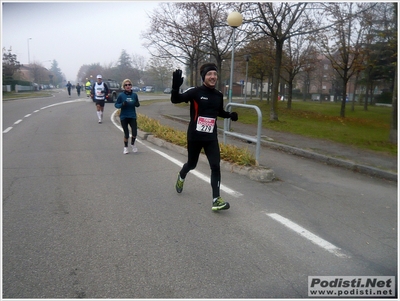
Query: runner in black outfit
[[206, 104]]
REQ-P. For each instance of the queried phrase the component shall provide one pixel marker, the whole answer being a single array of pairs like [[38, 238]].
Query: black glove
[[177, 79], [234, 116]]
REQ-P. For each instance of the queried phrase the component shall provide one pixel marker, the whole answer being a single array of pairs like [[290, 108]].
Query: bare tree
[[139, 65], [39, 72], [192, 33], [176, 32], [159, 71], [262, 60], [217, 38], [342, 44], [301, 57], [280, 20]]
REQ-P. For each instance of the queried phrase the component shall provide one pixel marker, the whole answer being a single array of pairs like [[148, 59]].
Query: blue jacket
[[127, 102]]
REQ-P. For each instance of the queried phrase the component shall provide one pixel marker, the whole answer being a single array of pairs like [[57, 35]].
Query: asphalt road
[[82, 220]]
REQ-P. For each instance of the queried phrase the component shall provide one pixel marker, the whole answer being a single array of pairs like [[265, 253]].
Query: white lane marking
[[196, 173], [52, 105], [307, 234], [62, 103], [7, 130], [179, 163]]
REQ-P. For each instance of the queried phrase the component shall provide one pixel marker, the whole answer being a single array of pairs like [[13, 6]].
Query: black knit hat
[[207, 67]]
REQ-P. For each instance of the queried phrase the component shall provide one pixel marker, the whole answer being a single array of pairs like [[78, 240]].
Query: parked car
[[114, 89], [135, 89], [149, 89], [167, 90]]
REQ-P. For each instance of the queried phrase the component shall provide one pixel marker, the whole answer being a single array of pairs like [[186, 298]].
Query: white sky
[[75, 33]]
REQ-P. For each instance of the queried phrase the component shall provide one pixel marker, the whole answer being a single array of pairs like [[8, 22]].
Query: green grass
[[26, 94], [362, 129]]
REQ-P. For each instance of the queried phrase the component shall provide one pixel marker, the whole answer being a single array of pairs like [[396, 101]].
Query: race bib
[[205, 124]]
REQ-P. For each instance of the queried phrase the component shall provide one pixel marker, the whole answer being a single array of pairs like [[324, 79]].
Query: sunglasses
[[127, 85]]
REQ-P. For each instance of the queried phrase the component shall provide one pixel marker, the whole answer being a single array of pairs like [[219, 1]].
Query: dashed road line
[[7, 129], [43, 108]]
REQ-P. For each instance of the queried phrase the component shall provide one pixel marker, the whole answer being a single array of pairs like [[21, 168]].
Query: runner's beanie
[[207, 67]]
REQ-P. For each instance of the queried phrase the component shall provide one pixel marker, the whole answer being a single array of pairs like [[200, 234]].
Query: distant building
[[34, 73]]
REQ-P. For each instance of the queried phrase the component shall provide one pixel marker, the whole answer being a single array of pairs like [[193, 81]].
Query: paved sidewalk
[[364, 161]]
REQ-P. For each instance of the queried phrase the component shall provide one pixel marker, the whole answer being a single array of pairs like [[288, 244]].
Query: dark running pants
[[211, 149], [133, 124]]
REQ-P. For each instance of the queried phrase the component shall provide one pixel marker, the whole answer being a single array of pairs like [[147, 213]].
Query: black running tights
[[133, 124], [211, 149]]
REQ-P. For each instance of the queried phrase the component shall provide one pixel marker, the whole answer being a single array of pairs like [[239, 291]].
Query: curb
[[364, 169], [257, 173]]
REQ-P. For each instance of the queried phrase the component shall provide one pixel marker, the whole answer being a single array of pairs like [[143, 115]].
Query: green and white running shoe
[[219, 204], [179, 184]]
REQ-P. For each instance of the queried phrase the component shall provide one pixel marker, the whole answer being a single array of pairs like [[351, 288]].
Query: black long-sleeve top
[[206, 104]]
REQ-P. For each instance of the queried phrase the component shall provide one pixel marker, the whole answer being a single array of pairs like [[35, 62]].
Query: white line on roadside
[[7, 130], [52, 105], [307, 234], [179, 163], [63, 103]]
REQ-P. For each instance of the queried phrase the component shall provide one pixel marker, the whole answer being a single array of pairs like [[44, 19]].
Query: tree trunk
[[343, 106], [393, 126], [275, 82], [366, 97], [354, 94], [289, 100]]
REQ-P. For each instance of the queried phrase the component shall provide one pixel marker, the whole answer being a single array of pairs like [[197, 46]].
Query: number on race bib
[[205, 124]]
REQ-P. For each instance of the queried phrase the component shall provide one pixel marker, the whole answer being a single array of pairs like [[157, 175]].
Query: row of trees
[[156, 72], [283, 39], [13, 71]]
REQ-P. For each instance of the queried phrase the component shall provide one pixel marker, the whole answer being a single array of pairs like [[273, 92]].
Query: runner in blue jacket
[[128, 101]]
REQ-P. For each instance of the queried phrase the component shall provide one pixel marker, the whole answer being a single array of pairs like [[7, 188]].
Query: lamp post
[[234, 20], [29, 58], [247, 58]]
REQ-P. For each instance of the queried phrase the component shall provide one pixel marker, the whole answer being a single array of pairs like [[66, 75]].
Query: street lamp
[[247, 58], [234, 20], [29, 58]]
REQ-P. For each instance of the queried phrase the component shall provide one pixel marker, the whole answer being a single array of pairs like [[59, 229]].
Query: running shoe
[[126, 150], [134, 148], [219, 204], [179, 184]]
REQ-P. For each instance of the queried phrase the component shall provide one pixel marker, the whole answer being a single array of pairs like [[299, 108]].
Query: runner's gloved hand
[[234, 116], [177, 79]]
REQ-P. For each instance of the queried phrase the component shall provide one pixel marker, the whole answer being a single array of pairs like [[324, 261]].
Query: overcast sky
[[75, 33]]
